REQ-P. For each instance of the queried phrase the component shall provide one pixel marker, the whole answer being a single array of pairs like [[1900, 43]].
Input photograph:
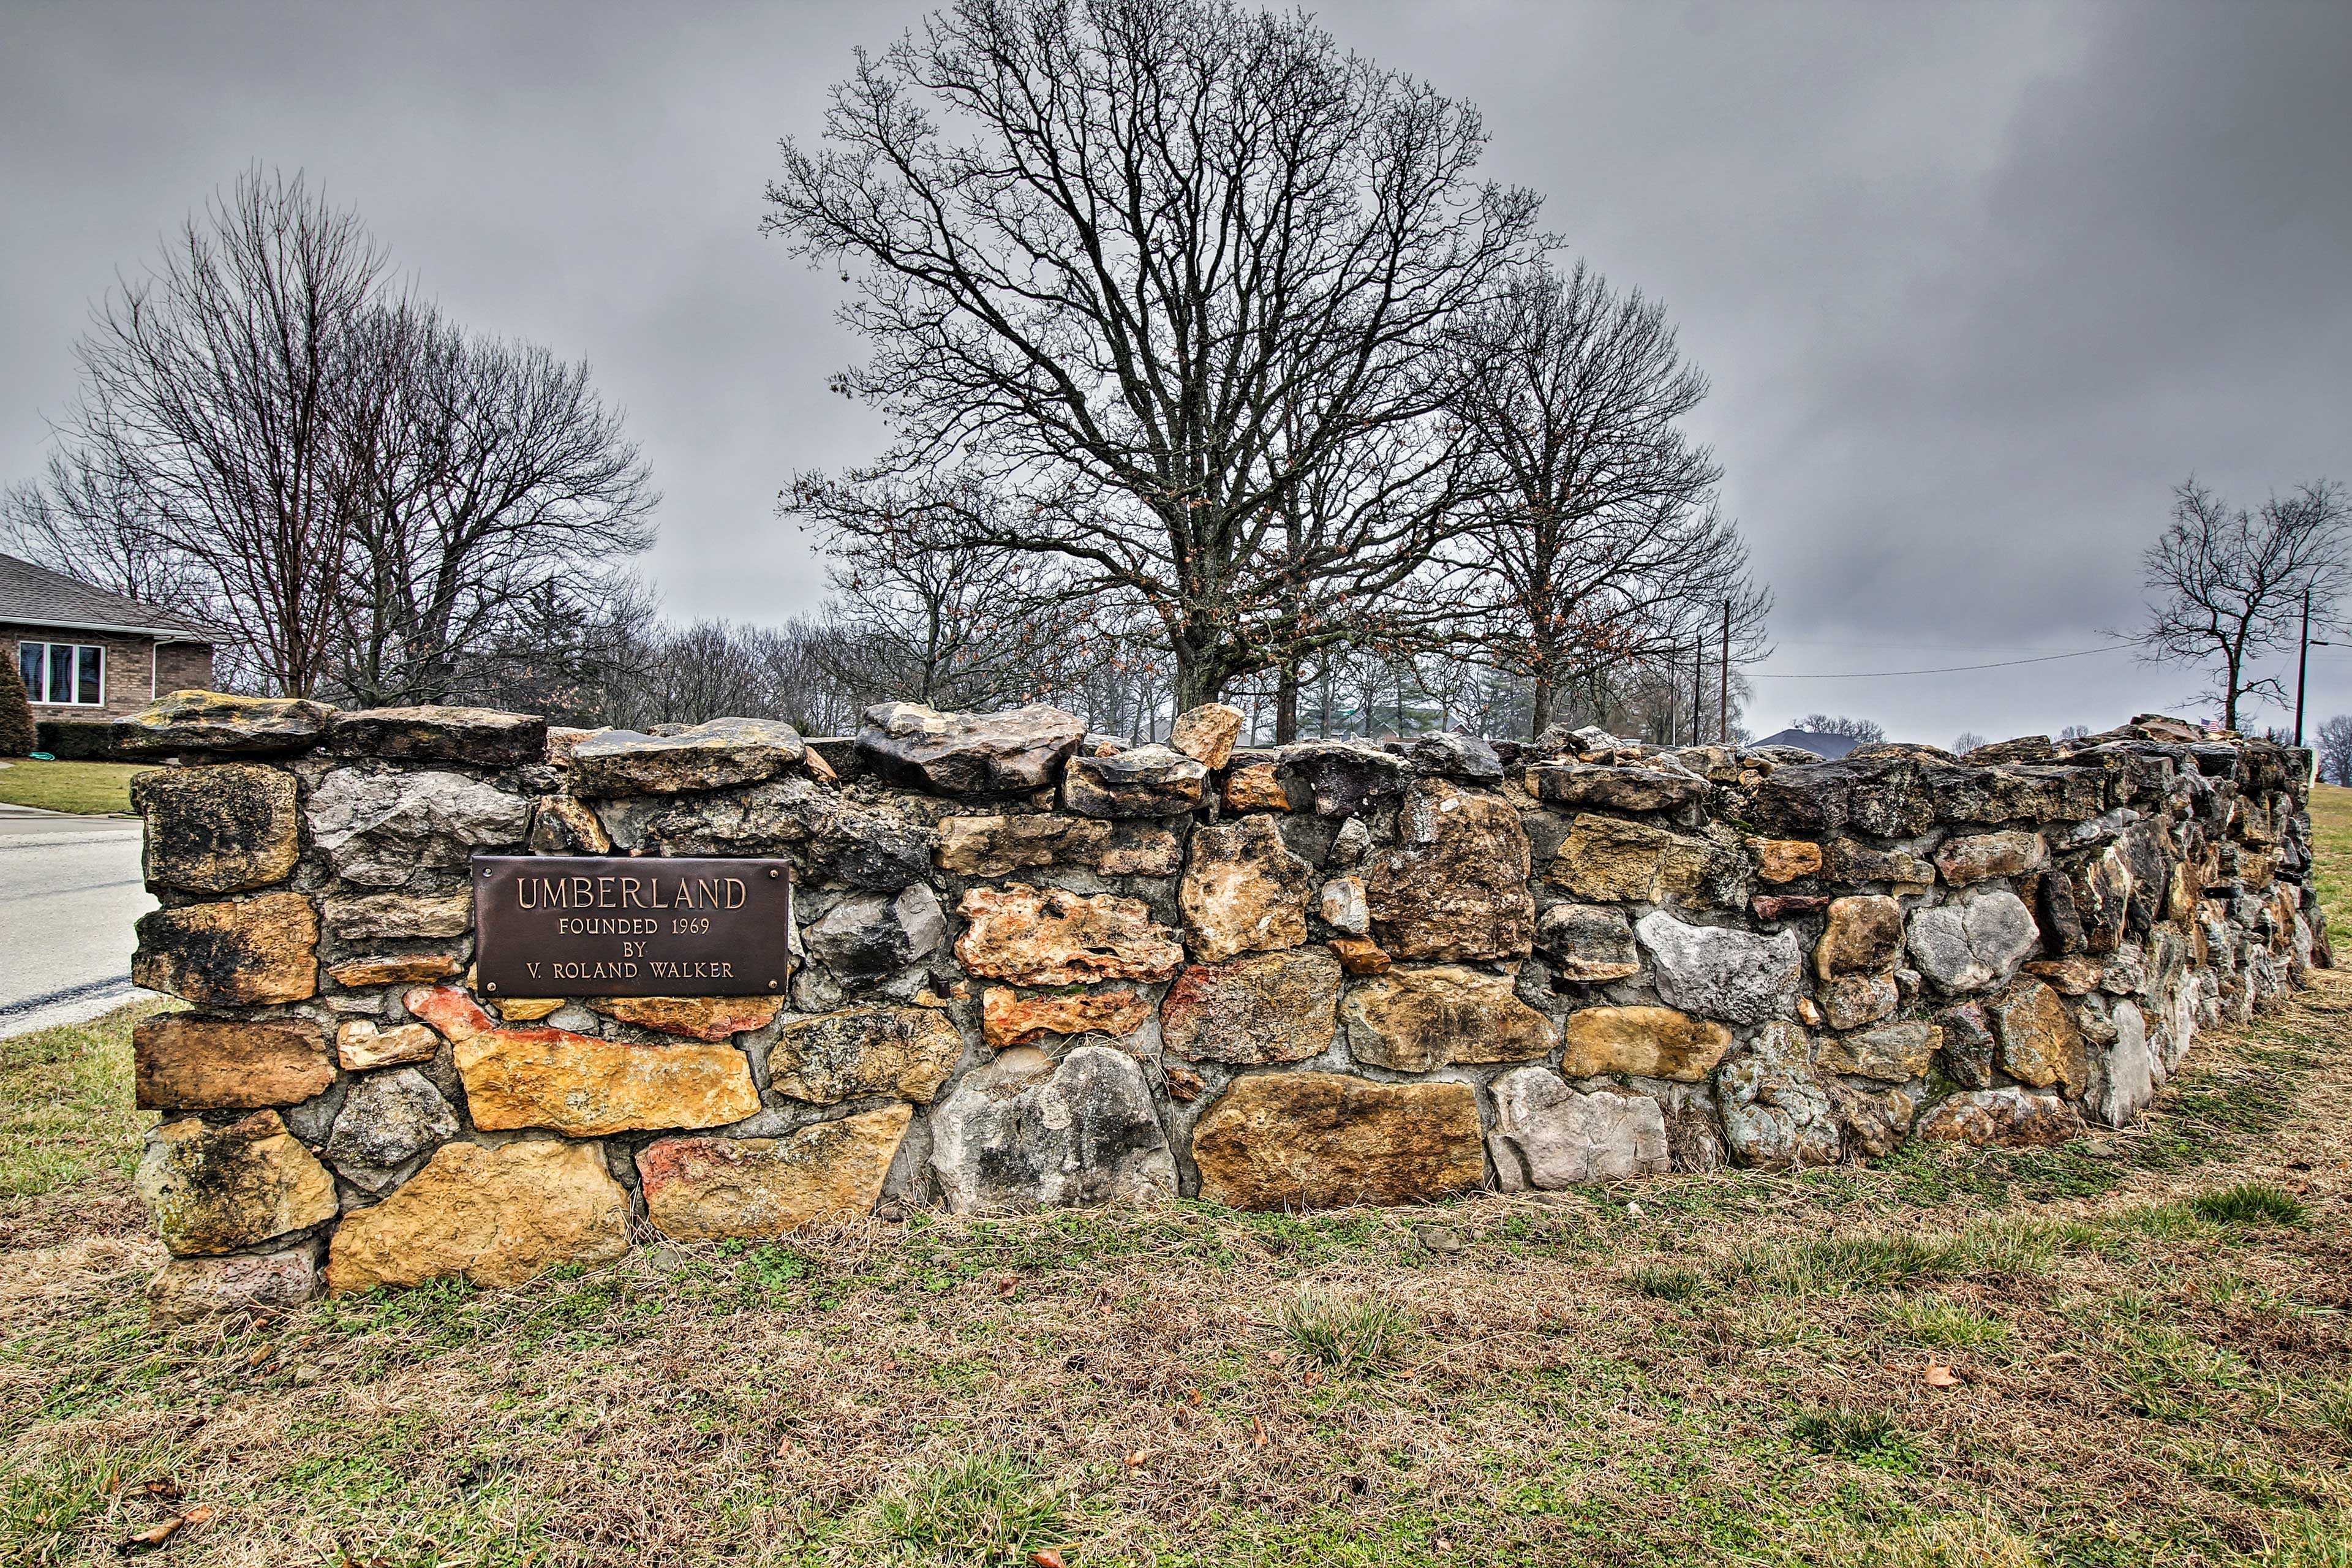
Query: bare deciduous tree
[[2226, 585], [1967, 741], [2335, 750], [478, 475], [1153, 265], [1602, 544], [206, 412], [270, 436]]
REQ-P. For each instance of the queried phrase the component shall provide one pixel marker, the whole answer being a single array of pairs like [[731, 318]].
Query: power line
[[1941, 669]]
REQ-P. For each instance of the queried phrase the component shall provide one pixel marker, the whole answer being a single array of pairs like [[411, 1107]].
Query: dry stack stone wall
[[1042, 967]]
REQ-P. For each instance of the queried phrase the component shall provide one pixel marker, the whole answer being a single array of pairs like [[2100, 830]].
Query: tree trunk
[[1541, 703], [1286, 705]]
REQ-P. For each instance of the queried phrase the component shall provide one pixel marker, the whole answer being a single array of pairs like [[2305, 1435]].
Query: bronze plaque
[[585, 925]]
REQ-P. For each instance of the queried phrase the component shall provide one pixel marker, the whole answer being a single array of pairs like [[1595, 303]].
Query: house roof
[[42, 597], [1829, 747]]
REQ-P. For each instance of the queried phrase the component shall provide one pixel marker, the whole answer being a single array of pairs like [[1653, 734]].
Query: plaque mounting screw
[[774, 873], [493, 985], [772, 985]]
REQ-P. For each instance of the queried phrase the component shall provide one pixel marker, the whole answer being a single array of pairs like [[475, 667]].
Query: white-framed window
[[64, 674]]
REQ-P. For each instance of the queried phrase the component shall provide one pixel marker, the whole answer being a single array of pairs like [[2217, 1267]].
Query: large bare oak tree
[[1154, 266], [2226, 586]]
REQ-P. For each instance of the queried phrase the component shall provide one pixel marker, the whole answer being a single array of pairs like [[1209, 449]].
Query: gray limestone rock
[[916, 747], [1147, 781], [1548, 1135], [718, 755], [1776, 1111], [2126, 1071], [380, 828], [1660, 788], [389, 1121], [866, 935], [1973, 945], [480, 737], [1338, 778], [1590, 944], [1455, 756], [1737, 976], [1023, 1133]]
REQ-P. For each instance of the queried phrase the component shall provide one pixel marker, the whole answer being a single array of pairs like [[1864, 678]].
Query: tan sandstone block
[[1255, 786], [696, 1018], [2040, 1042], [362, 1045], [1207, 734], [1863, 936], [358, 974], [493, 1217], [222, 1189], [244, 951], [713, 1189], [219, 830], [186, 1062], [1057, 937], [1323, 1141], [1455, 885], [1006, 1018], [1785, 859], [1417, 1020], [902, 1051], [579, 1085], [1243, 891], [1646, 1042]]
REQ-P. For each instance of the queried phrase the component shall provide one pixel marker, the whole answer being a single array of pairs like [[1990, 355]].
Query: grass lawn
[[95, 788], [2133, 1350], [2331, 841]]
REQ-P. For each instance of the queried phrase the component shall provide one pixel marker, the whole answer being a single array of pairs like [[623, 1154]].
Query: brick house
[[86, 653]]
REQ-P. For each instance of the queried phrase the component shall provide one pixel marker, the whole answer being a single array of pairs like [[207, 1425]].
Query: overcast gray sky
[[1976, 283]]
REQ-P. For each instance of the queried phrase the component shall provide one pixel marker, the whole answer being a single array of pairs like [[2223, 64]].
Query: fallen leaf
[[1049, 1558], [161, 1487], [151, 1537], [1006, 1286], [200, 1514], [1135, 1460], [1938, 1375], [1259, 1427], [1192, 1396]]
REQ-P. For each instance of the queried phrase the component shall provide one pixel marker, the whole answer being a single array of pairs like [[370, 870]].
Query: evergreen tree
[[16, 713]]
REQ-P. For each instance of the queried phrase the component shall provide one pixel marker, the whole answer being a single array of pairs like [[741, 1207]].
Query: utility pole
[[1723, 680], [1698, 691], [1674, 697], [2302, 665]]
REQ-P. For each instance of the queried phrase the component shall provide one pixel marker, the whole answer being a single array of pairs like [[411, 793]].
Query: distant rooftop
[[42, 597], [1824, 746]]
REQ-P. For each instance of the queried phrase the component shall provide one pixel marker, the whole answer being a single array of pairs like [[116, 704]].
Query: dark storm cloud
[[1976, 284]]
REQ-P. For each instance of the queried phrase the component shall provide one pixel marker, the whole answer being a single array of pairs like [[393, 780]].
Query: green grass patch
[[66, 1103], [1937, 1322], [2251, 1203], [989, 1508], [1346, 1334], [1870, 1437], [1666, 1281], [89, 789]]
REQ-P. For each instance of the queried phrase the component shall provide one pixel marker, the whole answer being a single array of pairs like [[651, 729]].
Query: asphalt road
[[69, 889]]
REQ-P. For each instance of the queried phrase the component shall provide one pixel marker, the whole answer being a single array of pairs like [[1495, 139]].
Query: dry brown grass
[[1724, 1368]]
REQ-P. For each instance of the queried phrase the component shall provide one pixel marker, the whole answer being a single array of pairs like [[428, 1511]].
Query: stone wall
[[1040, 967]]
